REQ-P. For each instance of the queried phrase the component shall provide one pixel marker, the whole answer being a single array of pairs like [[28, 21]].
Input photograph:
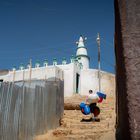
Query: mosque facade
[[78, 77]]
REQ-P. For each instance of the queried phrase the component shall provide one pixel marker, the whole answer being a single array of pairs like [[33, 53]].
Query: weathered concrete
[[127, 48], [69, 73], [89, 80], [3, 72]]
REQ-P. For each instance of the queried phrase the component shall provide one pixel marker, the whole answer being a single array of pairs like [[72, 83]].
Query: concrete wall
[[64, 72], [85, 62], [34, 73], [68, 78], [81, 50], [70, 71], [127, 48], [89, 80], [3, 72]]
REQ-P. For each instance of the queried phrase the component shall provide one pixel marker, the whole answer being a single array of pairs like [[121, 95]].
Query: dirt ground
[[73, 129]]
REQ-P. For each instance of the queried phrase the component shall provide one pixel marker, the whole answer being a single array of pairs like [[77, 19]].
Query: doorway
[[1, 80], [77, 82]]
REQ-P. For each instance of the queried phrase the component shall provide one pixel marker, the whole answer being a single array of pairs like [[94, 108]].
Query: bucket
[[82, 105], [85, 109]]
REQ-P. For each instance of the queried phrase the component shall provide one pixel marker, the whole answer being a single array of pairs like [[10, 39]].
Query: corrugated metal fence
[[30, 108]]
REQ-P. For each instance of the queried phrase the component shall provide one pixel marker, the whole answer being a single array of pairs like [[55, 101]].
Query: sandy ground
[[73, 129]]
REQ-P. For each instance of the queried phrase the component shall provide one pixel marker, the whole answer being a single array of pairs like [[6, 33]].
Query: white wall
[[85, 62], [89, 80], [70, 71], [68, 78], [81, 51], [34, 73], [66, 72]]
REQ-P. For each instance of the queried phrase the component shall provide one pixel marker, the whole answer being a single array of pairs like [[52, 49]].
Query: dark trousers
[[94, 109]]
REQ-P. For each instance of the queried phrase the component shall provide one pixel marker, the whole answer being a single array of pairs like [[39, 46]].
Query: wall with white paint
[[70, 71], [34, 73], [81, 50], [89, 80]]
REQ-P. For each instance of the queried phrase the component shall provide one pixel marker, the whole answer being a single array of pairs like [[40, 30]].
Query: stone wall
[[127, 49]]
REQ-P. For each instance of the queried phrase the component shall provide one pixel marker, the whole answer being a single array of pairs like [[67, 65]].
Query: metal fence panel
[[30, 108]]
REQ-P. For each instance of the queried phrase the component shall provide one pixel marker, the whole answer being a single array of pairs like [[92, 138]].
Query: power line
[[45, 48], [107, 42], [55, 51]]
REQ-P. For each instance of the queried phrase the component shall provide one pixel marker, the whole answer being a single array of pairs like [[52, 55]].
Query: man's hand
[[87, 103]]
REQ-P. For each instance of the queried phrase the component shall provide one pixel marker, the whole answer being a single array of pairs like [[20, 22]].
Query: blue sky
[[47, 29]]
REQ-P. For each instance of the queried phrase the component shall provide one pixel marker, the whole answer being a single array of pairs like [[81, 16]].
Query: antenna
[[99, 67]]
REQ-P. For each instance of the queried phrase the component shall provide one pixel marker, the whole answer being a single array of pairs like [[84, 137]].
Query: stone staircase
[[73, 129]]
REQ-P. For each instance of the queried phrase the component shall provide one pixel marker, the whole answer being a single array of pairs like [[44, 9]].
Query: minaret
[[81, 54]]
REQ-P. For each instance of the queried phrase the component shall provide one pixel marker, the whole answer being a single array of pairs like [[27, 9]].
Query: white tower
[[81, 54]]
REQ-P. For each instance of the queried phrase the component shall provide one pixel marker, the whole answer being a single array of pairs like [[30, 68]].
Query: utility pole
[[99, 65], [14, 73], [30, 70]]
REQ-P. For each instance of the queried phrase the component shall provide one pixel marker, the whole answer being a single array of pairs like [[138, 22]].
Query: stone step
[[68, 115], [78, 111], [90, 131], [77, 117], [91, 125], [102, 117], [82, 137], [93, 135], [71, 131]]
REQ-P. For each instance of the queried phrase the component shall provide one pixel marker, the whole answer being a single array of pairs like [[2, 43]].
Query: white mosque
[[78, 77]]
